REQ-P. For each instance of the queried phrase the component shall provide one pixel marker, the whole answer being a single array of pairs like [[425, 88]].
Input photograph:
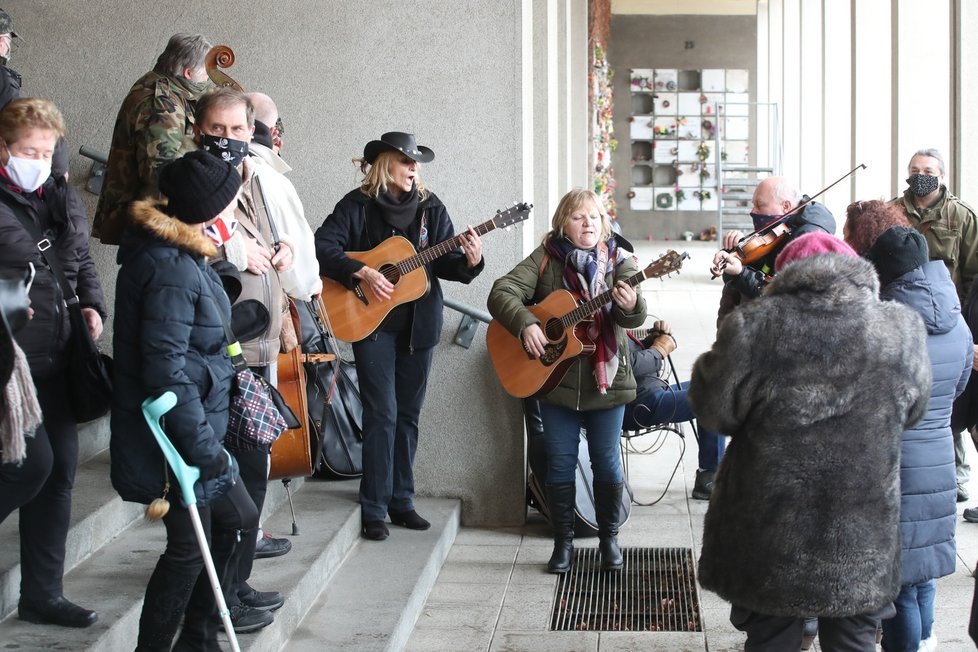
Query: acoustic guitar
[[562, 318], [355, 314]]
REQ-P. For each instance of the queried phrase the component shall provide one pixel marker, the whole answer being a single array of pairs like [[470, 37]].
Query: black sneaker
[[703, 486], [971, 514], [962, 494], [246, 619], [264, 600], [269, 546]]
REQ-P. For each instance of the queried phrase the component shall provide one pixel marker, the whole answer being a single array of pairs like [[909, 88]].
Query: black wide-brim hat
[[397, 141]]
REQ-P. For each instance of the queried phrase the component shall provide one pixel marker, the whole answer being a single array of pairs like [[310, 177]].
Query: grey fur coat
[[814, 383]]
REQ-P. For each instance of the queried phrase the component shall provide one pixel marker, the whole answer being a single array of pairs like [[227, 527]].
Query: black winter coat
[[168, 337], [59, 212], [815, 383], [349, 228]]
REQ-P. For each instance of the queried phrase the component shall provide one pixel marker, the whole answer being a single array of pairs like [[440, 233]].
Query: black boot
[[560, 499], [607, 504], [166, 599]]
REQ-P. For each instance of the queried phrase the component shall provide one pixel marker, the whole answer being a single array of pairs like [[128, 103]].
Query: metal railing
[[470, 321]]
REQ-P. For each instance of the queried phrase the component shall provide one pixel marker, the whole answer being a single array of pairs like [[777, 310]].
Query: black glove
[[216, 468]]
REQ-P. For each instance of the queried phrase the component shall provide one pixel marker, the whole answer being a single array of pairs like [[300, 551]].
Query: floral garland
[[603, 130]]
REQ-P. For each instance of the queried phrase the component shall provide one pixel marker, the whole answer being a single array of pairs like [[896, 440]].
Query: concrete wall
[[462, 76], [639, 41]]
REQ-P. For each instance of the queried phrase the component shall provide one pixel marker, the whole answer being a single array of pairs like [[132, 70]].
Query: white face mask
[[28, 173]]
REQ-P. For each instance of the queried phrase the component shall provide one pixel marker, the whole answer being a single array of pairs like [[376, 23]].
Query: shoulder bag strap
[[43, 245], [234, 346]]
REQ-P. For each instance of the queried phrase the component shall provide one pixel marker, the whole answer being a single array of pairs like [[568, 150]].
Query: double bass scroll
[[221, 56]]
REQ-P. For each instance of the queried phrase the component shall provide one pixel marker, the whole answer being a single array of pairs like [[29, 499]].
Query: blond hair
[[570, 203], [29, 113], [377, 176]]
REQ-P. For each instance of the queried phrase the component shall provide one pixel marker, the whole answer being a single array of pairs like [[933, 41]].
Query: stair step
[[113, 579], [97, 515], [386, 583]]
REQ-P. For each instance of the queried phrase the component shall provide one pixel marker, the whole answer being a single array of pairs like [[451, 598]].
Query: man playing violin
[[773, 198]]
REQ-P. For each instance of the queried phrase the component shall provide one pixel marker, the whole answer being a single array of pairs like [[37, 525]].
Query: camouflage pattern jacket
[[154, 126]]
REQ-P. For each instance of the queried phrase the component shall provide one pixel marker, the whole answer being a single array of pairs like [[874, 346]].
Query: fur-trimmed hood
[[148, 215], [814, 382]]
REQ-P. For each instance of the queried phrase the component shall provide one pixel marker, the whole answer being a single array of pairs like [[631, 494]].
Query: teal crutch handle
[[153, 411]]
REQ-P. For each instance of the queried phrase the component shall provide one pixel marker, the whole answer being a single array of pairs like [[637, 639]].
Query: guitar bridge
[[358, 291]]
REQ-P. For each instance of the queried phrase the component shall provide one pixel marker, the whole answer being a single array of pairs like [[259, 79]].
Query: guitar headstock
[[512, 215], [665, 264]]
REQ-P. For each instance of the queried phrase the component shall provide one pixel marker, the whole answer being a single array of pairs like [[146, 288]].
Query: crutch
[[153, 411]]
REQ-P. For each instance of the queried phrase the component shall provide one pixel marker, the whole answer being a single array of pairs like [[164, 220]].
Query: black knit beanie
[[198, 186], [897, 251]]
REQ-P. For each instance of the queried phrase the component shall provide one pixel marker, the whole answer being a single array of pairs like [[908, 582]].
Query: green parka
[[526, 285], [951, 230]]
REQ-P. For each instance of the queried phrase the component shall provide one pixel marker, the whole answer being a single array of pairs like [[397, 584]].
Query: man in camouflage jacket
[[154, 126]]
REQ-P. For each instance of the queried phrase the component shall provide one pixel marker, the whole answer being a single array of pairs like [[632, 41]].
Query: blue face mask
[[761, 220]]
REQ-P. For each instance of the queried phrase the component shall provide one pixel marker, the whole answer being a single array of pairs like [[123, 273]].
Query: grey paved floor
[[494, 594]]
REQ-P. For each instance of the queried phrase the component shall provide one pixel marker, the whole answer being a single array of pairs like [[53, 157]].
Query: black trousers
[[173, 590], [779, 633], [41, 488], [253, 466], [393, 379]]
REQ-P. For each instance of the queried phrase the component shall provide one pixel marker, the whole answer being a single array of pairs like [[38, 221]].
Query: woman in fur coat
[[814, 383]]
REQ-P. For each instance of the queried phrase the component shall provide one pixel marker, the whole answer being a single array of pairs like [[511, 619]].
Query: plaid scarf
[[584, 274]]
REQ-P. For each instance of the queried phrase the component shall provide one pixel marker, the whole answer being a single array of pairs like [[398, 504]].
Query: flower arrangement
[[680, 194], [703, 152], [709, 233]]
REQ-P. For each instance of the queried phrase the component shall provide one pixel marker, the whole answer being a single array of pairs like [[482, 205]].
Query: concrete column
[[837, 105], [578, 116], [791, 54], [922, 82], [811, 172], [872, 140], [964, 168]]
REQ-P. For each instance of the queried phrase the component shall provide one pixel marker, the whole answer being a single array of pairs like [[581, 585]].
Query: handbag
[[258, 415], [89, 371]]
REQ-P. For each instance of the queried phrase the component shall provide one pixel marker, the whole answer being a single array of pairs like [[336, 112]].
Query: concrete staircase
[[332, 578]]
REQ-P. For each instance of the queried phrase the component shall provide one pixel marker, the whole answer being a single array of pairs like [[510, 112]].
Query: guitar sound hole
[[390, 273], [553, 330]]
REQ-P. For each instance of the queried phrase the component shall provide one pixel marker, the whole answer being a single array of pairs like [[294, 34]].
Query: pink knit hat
[[812, 244]]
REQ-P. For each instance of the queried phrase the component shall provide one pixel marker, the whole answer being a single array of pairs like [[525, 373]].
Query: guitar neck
[[425, 256], [588, 308]]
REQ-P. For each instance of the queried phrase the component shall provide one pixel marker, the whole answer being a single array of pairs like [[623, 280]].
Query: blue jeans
[[672, 406], [914, 618], [393, 379], [562, 434]]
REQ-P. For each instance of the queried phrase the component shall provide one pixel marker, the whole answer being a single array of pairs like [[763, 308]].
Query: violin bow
[[783, 218], [861, 166]]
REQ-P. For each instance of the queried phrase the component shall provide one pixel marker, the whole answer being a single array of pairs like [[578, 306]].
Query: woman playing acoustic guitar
[[393, 362], [579, 254]]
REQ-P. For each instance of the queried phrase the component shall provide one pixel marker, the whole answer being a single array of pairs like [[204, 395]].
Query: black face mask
[[227, 149], [760, 220], [923, 184]]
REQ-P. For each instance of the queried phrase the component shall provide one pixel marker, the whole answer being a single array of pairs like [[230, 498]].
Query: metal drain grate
[[654, 592]]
